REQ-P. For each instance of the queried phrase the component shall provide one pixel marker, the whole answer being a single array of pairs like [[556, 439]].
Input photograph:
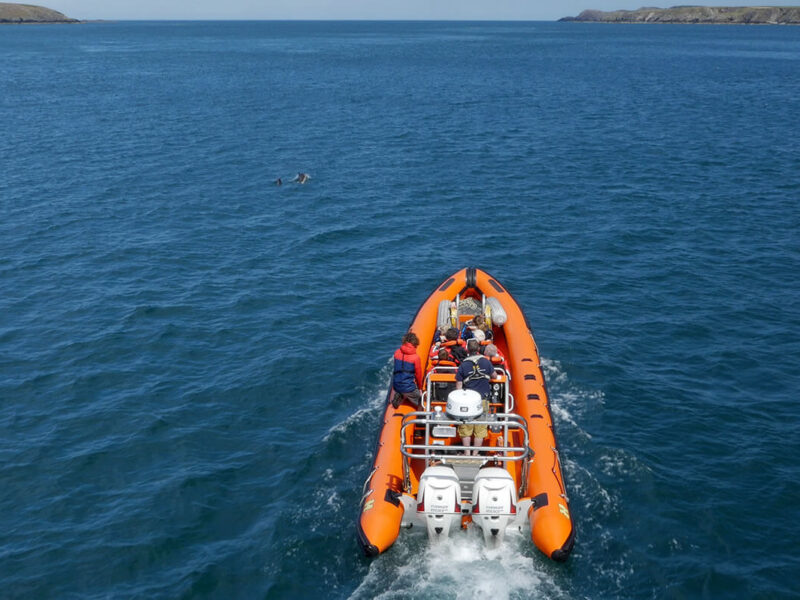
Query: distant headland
[[712, 15], [27, 13]]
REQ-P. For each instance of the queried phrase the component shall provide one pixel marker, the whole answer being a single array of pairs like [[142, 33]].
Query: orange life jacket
[[443, 363]]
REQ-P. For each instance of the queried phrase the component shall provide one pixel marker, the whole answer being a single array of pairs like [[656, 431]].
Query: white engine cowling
[[464, 404], [494, 503], [439, 501]]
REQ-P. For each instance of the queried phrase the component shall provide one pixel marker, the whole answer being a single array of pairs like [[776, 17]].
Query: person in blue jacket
[[407, 375]]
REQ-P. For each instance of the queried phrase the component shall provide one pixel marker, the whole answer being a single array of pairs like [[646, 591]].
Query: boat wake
[[374, 402], [461, 567], [595, 475]]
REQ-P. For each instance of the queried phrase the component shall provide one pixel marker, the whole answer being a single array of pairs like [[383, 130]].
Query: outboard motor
[[494, 503], [439, 501]]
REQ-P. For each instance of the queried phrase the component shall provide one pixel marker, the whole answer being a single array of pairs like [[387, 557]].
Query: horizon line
[[95, 20]]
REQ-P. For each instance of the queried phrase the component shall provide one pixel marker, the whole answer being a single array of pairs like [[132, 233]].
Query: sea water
[[194, 360]]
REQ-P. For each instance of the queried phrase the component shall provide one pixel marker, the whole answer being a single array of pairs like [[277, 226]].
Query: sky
[[512, 10]]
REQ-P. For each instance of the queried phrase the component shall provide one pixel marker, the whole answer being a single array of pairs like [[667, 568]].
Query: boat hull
[[541, 482]]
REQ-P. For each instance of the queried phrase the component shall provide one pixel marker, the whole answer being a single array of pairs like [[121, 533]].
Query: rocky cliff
[[27, 13], [772, 15]]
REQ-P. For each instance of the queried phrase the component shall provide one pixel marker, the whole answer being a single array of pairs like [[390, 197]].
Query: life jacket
[[476, 371], [443, 363], [451, 343], [450, 347]]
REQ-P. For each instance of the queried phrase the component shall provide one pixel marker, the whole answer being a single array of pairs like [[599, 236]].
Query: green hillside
[[27, 13], [755, 15]]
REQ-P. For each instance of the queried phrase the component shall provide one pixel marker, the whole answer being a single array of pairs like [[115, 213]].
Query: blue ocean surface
[[194, 360]]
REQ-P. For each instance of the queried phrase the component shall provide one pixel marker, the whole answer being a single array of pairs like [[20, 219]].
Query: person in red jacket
[[407, 376]]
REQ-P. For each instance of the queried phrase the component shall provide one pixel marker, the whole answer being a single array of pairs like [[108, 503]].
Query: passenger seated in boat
[[407, 376], [442, 388], [478, 334], [466, 330], [474, 374], [456, 348], [438, 335], [493, 354], [478, 323], [443, 359], [438, 339]]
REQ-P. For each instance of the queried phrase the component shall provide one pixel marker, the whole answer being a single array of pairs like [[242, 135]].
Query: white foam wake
[[461, 567], [374, 397]]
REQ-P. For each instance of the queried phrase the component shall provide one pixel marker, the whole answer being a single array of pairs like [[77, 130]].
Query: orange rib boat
[[423, 476]]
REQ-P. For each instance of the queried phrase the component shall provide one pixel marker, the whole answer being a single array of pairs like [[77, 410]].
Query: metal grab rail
[[505, 420], [443, 453], [428, 417]]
